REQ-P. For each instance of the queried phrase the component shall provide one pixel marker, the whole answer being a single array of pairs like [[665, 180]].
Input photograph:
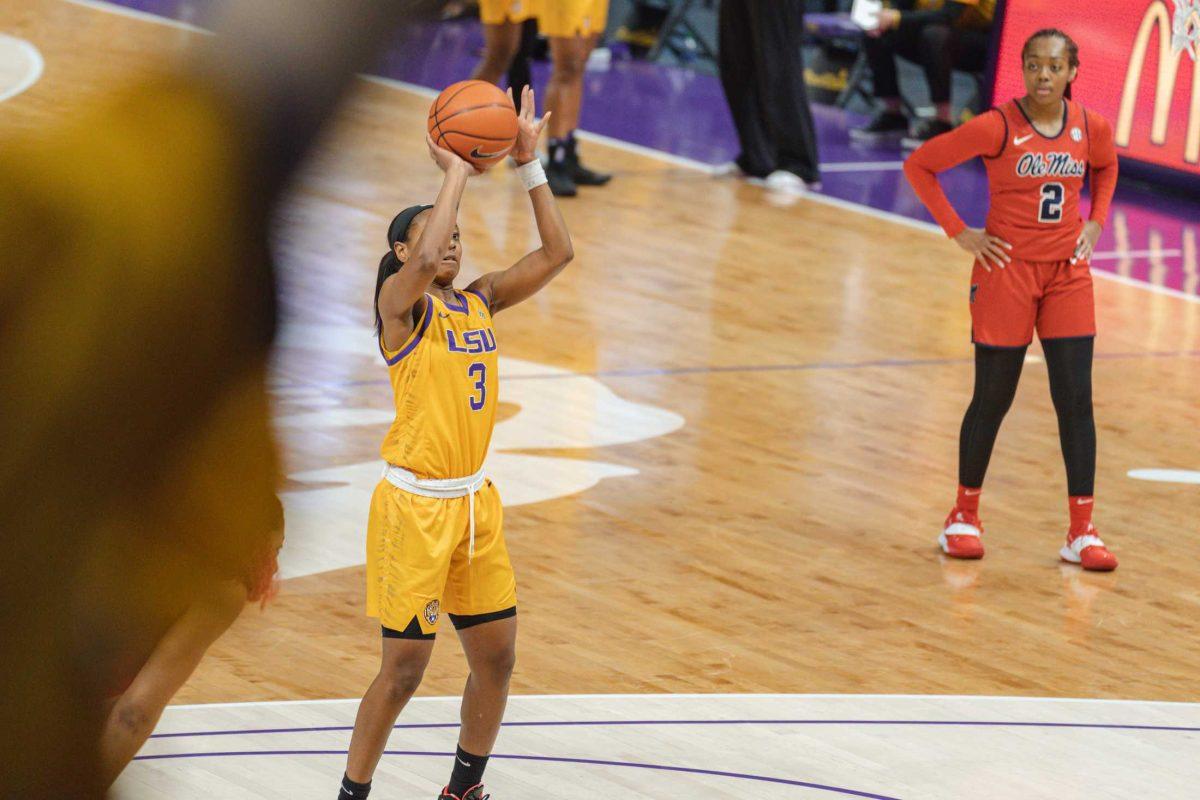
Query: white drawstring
[[442, 488], [471, 546]]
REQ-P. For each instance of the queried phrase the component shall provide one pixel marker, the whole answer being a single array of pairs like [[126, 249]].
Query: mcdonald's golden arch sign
[[1177, 34]]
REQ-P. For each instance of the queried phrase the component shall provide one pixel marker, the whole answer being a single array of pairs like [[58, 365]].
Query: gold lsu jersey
[[445, 382]]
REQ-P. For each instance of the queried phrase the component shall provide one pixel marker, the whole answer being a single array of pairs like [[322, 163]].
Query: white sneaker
[[729, 169], [783, 181]]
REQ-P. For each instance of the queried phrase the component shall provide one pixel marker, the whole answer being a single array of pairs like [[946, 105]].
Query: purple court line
[[551, 759], [617, 723], [640, 372]]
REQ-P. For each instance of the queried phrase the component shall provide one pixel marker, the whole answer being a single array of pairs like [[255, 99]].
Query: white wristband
[[532, 174]]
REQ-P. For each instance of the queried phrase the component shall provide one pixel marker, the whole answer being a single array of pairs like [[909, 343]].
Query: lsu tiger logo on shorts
[[431, 612]]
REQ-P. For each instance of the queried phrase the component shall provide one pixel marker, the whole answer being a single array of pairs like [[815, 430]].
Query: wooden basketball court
[[730, 428]]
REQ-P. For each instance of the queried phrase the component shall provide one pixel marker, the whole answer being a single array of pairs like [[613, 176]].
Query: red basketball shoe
[[961, 536], [1084, 548], [474, 793]]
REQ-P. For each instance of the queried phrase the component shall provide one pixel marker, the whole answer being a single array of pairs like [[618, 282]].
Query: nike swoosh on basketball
[[476, 154], [1020, 140]]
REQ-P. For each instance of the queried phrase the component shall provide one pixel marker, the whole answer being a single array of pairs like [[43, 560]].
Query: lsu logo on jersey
[[482, 340], [1050, 165], [432, 608]]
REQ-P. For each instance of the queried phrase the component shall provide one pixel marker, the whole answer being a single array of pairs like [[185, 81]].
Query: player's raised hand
[[1086, 243], [448, 160], [529, 128], [986, 248]]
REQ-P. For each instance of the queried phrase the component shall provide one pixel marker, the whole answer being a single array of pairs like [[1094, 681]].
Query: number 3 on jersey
[[1051, 207], [478, 402]]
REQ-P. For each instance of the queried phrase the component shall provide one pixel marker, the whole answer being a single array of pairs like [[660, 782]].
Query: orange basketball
[[475, 120]]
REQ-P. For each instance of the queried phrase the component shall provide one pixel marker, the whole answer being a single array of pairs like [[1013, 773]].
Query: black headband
[[398, 230]]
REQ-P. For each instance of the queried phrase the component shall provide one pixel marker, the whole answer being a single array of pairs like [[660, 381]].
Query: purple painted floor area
[[1150, 238]]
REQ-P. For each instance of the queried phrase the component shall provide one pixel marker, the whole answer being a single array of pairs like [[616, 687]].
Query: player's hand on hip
[[448, 161], [529, 127], [1085, 245], [986, 248]]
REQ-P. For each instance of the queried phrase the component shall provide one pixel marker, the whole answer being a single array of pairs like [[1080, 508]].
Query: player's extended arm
[[1102, 158], [529, 275], [401, 291], [981, 136]]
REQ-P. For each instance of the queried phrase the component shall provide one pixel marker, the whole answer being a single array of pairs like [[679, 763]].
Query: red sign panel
[[1140, 69]]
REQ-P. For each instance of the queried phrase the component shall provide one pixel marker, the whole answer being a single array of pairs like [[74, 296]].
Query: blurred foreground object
[[136, 313]]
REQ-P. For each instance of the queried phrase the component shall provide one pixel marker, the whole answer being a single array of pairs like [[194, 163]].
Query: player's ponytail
[[390, 264], [1072, 48]]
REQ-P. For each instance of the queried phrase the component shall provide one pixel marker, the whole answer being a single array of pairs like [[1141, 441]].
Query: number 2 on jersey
[[480, 369], [1051, 207]]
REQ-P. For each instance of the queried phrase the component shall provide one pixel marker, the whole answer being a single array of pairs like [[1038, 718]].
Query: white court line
[[671, 158], [1115, 254], [144, 16], [863, 166], [715, 695], [32, 76]]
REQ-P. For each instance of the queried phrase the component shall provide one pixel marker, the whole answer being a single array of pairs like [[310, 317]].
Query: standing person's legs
[[937, 58], [500, 45], [409, 555], [881, 52], [1004, 308], [574, 28], [520, 74], [400, 672], [1067, 327], [1069, 365], [490, 648], [997, 373], [502, 27], [739, 79], [881, 57], [778, 31], [481, 599]]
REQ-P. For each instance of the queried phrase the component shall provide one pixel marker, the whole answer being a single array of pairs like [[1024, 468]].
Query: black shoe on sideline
[[884, 125], [581, 174], [926, 130]]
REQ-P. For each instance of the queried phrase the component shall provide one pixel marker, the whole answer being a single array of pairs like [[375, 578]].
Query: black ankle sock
[[558, 150], [468, 772], [353, 791]]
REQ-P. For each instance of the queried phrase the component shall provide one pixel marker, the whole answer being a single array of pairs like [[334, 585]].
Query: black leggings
[[997, 372]]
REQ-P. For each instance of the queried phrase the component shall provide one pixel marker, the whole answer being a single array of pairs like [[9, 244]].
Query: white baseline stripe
[[1116, 254], [751, 696], [113, 8], [863, 166], [670, 158], [32, 76]]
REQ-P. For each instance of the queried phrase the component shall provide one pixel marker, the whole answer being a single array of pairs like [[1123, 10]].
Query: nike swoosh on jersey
[[476, 154], [1020, 140]]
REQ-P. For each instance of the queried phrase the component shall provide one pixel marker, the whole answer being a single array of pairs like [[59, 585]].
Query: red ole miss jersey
[[1035, 183], [1034, 180]]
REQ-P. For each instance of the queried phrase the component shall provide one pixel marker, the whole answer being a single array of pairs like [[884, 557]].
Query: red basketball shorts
[[1053, 297]]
